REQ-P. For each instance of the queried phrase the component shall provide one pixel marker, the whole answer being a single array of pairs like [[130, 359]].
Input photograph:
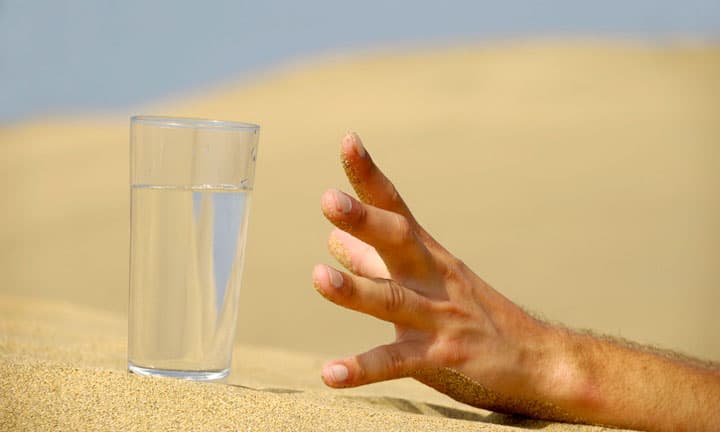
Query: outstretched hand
[[453, 331]]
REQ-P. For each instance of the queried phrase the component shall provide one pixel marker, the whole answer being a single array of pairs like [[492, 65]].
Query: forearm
[[608, 382]]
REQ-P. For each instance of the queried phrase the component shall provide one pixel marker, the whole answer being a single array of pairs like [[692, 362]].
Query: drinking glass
[[190, 186]]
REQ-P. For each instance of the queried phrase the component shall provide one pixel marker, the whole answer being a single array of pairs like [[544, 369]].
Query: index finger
[[369, 183]]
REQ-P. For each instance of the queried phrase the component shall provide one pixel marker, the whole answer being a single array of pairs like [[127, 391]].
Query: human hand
[[454, 332]]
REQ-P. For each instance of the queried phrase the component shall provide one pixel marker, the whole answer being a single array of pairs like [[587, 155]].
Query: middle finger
[[391, 234]]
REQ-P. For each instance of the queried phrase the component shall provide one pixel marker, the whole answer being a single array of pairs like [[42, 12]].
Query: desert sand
[[581, 180], [63, 368]]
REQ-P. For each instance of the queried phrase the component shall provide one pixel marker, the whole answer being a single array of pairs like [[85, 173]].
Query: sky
[[75, 56]]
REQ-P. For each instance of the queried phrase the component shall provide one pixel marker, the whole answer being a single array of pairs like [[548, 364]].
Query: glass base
[[214, 375]]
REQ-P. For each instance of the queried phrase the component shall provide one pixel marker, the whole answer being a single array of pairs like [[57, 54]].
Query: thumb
[[382, 363]]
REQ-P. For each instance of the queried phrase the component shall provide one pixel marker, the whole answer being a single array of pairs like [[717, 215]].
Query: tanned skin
[[457, 334]]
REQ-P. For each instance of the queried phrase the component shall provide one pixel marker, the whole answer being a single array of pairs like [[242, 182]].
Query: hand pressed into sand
[[453, 331], [457, 334]]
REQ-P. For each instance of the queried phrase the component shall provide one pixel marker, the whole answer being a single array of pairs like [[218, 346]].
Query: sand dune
[[581, 180]]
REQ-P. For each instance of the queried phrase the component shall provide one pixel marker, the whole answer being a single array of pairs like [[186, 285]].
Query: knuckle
[[421, 306], [451, 349], [458, 264], [453, 269], [404, 230], [360, 216], [394, 296], [348, 289], [453, 319], [449, 352], [394, 361], [394, 194], [452, 311]]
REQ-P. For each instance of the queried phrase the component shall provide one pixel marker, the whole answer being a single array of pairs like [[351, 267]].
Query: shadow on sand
[[423, 408]]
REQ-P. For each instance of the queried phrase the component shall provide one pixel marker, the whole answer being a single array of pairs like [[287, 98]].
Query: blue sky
[[65, 56]]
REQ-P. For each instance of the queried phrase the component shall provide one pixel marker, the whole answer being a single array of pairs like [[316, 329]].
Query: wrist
[[568, 376], [567, 379], [547, 378]]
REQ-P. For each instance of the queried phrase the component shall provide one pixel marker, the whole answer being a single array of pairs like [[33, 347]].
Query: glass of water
[[190, 185]]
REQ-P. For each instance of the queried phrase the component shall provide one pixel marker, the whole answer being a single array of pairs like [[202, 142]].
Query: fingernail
[[335, 277], [342, 202], [357, 143], [336, 373]]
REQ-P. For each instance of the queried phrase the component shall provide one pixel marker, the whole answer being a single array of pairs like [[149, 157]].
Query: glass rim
[[192, 123]]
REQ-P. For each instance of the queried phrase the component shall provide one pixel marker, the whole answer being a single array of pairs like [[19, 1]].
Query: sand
[[580, 179], [62, 367]]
